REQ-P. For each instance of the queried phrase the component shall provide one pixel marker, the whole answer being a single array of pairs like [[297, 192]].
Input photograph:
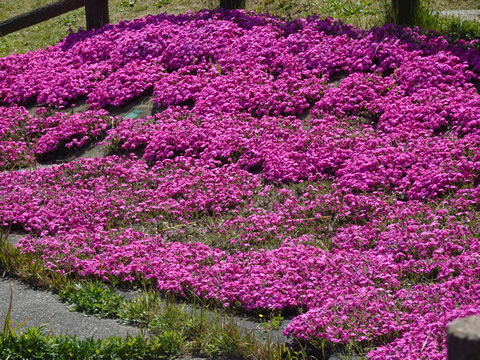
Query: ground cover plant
[[168, 328], [302, 167]]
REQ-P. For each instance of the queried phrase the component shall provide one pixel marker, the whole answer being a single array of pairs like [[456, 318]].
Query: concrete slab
[[139, 107], [14, 238], [39, 307], [472, 15]]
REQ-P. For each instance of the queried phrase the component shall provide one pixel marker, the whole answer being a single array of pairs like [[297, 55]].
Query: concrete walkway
[[472, 15], [40, 307], [44, 308]]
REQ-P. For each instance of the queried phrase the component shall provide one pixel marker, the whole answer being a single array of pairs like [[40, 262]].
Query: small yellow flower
[[260, 315]]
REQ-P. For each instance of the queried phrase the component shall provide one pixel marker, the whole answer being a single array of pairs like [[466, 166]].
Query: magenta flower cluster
[[26, 138], [301, 166]]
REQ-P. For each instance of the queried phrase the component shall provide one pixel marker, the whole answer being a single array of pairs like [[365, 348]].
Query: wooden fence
[[96, 12]]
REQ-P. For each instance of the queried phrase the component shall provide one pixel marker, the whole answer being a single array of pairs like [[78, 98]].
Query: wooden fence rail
[[96, 12]]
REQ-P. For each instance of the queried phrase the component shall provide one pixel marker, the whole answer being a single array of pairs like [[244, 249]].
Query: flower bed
[[303, 166], [26, 139]]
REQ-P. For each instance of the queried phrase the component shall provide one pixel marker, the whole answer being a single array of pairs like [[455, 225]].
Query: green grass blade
[[7, 326]]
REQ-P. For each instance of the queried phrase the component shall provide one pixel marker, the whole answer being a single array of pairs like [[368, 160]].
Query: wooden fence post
[[232, 4], [463, 339], [96, 12], [405, 11]]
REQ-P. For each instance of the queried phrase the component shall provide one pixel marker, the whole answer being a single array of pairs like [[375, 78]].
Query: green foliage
[[429, 18], [141, 310], [7, 325], [127, 3], [174, 326], [32, 344], [162, 3], [339, 8], [92, 299], [273, 322], [168, 317]]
